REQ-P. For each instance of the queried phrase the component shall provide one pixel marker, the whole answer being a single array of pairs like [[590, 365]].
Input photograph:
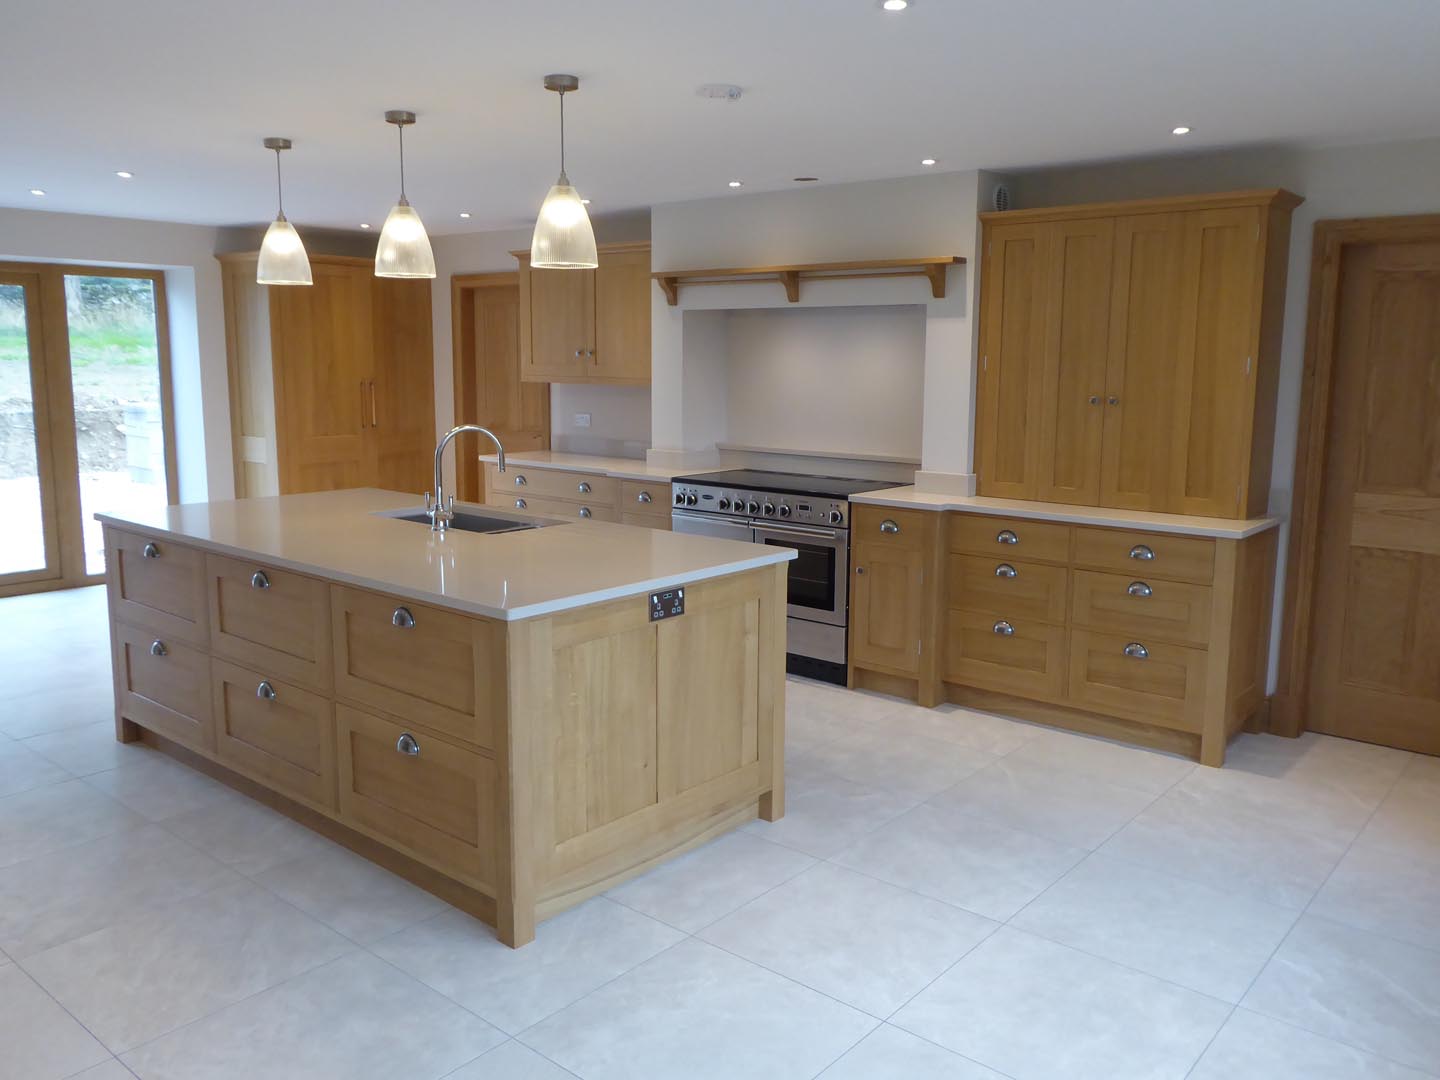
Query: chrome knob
[[157, 648], [691, 498], [1141, 552], [520, 504], [1003, 628], [1139, 588], [1136, 651], [837, 517], [724, 503], [1094, 399], [407, 745], [583, 487], [258, 580], [644, 497], [265, 692], [402, 618], [1113, 400], [889, 526], [752, 507], [1005, 536], [585, 512], [150, 551], [579, 353], [768, 509], [859, 570], [1005, 570], [784, 510]]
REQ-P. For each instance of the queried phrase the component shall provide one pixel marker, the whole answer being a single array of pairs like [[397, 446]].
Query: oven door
[[819, 577], [693, 524]]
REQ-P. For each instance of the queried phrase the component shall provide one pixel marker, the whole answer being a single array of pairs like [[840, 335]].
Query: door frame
[[1331, 239], [56, 396]]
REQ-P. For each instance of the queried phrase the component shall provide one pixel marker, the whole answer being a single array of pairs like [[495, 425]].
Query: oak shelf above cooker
[[932, 268]]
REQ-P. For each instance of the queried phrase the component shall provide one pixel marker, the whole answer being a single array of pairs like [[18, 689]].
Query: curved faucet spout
[[442, 512]]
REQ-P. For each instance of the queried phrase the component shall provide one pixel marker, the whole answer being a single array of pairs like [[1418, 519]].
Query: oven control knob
[[679, 498], [784, 510], [768, 509], [836, 517], [724, 503], [690, 499], [752, 507]]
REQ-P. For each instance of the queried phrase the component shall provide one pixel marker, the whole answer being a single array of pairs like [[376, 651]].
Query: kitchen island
[[505, 718]]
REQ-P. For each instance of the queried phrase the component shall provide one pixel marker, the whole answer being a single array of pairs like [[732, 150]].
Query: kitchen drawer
[[163, 684], [1010, 538], [891, 528], [1163, 685], [560, 508], [645, 497], [156, 583], [1146, 555], [274, 731], [554, 484], [438, 803], [274, 620], [428, 666], [1023, 590], [647, 521], [1139, 608], [1028, 662]]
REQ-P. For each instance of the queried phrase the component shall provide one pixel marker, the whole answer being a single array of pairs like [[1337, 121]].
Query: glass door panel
[[28, 545]]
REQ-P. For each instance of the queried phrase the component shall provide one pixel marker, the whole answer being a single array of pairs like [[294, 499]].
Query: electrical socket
[[582, 419]]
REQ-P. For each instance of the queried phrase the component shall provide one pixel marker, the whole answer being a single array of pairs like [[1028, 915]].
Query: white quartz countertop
[[908, 498], [621, 468], [516, 575]]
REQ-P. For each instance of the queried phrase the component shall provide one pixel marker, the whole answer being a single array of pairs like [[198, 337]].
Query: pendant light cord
[[562, 132], [279, 190], [401, 129]]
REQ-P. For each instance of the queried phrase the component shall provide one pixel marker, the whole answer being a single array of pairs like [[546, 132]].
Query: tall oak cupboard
[[1130, 352], [331, 385]]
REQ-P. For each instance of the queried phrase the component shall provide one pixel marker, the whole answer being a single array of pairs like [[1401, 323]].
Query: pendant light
[[282, 255], [404, 249], [563, 237]]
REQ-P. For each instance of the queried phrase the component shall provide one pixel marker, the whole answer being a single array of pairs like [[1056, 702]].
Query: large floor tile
[[1308, 803], [706, 884], [859, 940], [888, 1053], [357, 1018], [1364, 770], [824, 813], [106, 1070], [1388, 894], [571, 955], [698, 1012], [56, 898], [815, 716], [1254, 1047], [77, 696], [350, 894], [917, 767], [1211, 941], [169, 965], [1036, 1010], [1407, 823], [90, 748], [159, 787], [38, 1039], [1360, 988], [989, 734], [1063, 806], [511, 1061], [246, 835], [986, 868], [22, 769], [1228, 850], [57, 816], [1108, 762]]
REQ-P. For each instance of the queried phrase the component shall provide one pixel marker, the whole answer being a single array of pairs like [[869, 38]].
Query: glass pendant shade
[[404, 248], [282, 256], [563, 237]]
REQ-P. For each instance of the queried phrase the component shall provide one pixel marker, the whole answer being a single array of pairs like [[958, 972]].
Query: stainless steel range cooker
[[808, 513]]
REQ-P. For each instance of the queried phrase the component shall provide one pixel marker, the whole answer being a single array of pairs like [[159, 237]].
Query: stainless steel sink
[[465, 521]]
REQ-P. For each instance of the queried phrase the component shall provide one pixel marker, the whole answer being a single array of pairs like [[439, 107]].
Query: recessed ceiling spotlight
[[927, 161], [721, 92], [1181, 130], [737, 183], [806, 179], [894, 5], [125, 174], [364, 224], [584, 202], [37, 191], [465, 214]]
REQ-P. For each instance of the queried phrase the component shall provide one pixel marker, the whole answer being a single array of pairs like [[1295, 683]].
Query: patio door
[[85, 416]]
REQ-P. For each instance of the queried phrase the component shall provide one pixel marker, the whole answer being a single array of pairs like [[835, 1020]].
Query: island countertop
[[344, 535]]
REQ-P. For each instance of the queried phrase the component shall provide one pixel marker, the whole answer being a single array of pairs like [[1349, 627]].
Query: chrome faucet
[[443, 510]]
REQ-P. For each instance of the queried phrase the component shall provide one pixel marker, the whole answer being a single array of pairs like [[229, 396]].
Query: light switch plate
[[582, 419]]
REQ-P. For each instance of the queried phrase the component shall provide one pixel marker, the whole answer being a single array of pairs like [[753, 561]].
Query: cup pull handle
[[1005, 536], [520, 480], [1139, 588], [150, 551], [644, 497], [583, 487], [1136, 651], [402, 619], [1142, 552], [1006, 570], [258, 580], [157, 648], [519, 504], [585, 512], [407, 745], [888, 526], [1003, 628], [266, 692]]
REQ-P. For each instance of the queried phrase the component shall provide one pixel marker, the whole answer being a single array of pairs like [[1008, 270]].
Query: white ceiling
[[182, 91]]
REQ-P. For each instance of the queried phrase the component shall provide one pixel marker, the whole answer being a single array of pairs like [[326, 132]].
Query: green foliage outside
[[112, 322]]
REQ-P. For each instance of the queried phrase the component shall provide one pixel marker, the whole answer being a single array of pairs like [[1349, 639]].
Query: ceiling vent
[[1000, 197], [720, 92]]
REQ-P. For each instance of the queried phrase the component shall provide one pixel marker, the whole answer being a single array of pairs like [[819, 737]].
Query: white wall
[[197, 320], [1337, 182]]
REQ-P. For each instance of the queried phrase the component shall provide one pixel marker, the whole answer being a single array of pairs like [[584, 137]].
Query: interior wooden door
[[622, 316], [1072, 383], [402, 387], [1375, 665], [488, 387], [1140, 368], [1012, 359], [1214, 390], [562, 323], [321, 341]]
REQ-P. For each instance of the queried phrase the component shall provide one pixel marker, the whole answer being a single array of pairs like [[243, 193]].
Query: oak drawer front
[[157, 583], [1141, 608], [437, 802], [647, 521], [1143, 680], [560, 508], [555, 484], [273, 620], [1010, 538], [1009, 655], [423, 664], [275, 731], [888, 527], [645, 497], [164, 685], [1022, 590], [1146, 555]]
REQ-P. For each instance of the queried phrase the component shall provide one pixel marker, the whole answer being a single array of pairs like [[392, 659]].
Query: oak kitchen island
[[497, 716]]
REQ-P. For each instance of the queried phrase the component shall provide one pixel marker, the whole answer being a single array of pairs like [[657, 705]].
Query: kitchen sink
[[464, 521]]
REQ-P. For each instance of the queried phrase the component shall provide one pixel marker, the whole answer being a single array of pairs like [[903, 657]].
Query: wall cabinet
[[1130, 352], [331, 386], [587, 325]]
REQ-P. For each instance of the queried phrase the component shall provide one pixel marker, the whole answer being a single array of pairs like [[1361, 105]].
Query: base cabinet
[[584, 496]]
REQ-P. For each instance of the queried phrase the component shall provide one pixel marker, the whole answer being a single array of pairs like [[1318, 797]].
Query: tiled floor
[[951, 896]]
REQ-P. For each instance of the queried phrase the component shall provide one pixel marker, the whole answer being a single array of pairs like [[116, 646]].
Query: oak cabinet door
[[622, 317], [561, 323], [1012, 359], [402, 387], [887, 607], [1072, 381], [1140, 368]]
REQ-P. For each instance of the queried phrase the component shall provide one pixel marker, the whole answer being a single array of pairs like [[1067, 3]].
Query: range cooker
[[810, 514]]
